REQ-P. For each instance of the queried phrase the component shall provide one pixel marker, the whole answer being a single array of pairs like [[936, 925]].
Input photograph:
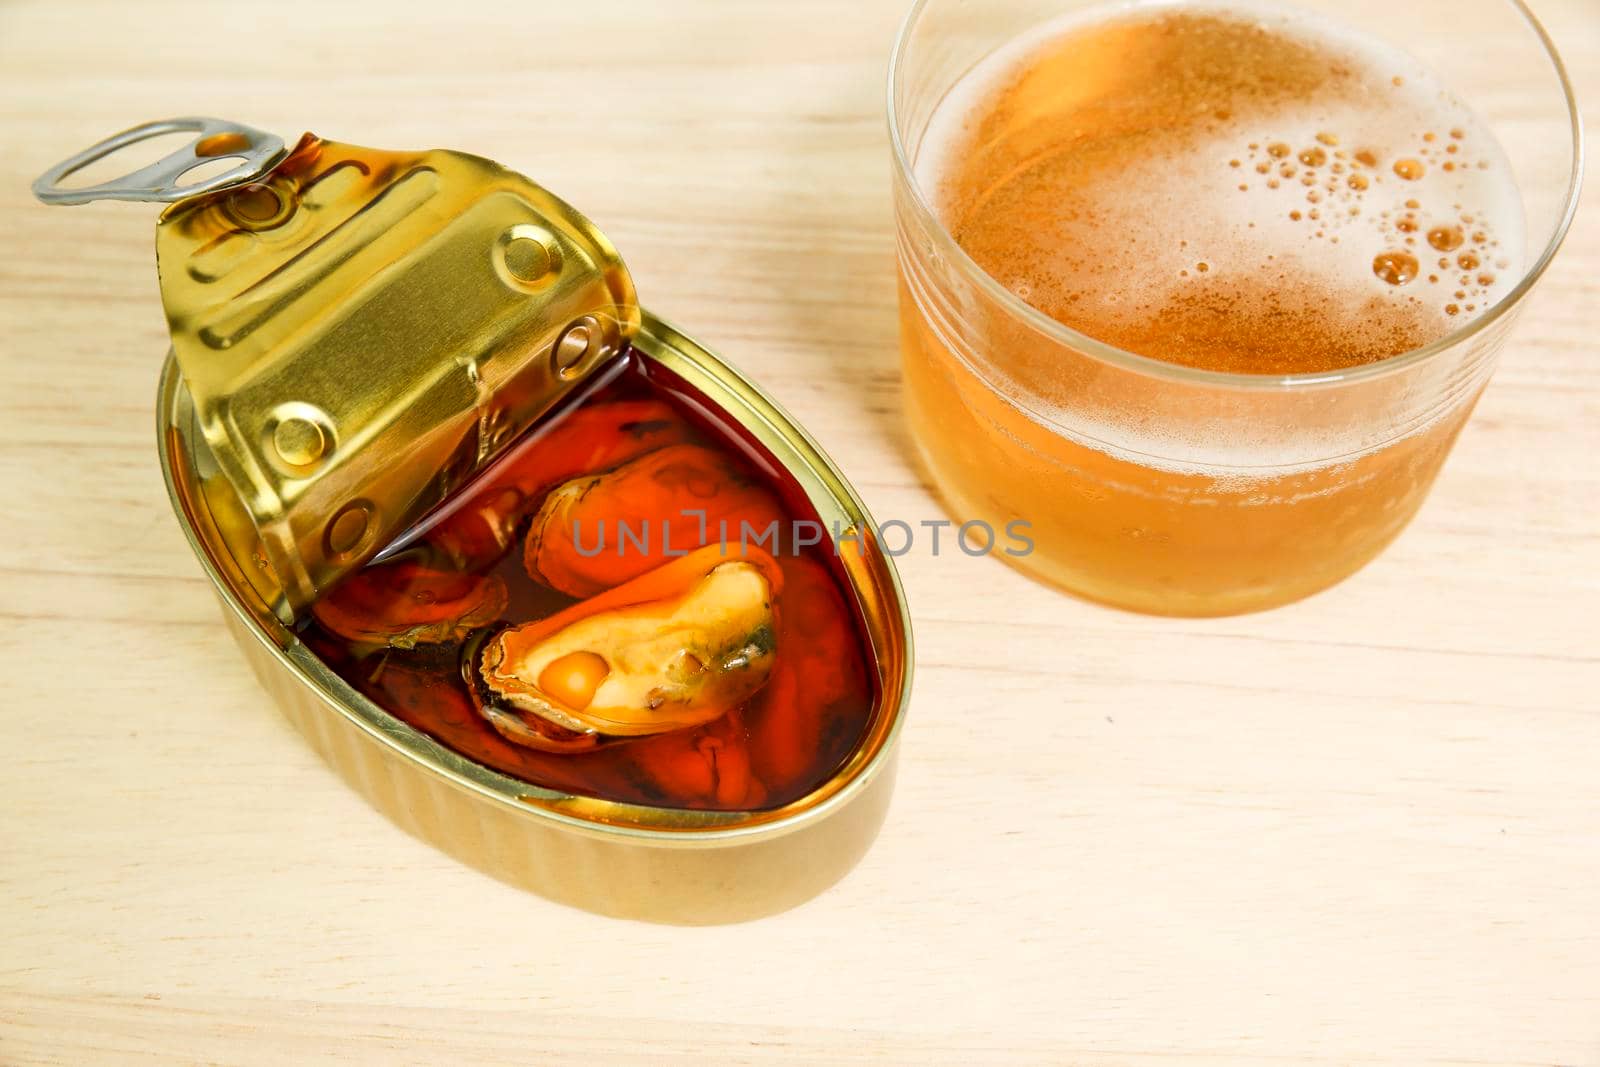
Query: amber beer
[[1161, 305]]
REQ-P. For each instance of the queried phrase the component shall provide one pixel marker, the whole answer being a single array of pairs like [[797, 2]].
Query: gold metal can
[[304, 426]]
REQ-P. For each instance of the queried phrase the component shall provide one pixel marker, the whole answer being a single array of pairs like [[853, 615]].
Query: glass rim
[[1149, 365]]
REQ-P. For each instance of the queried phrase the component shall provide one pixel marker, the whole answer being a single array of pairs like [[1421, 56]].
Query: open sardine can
[[554, 587]]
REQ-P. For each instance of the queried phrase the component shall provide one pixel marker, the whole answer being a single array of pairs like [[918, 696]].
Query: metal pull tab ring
[[215, 139]]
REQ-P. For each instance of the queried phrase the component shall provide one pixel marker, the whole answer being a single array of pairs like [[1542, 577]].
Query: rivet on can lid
[[257, 206], [529, 255], [579, 340], [349, 528], [527, 259], [299, 442], [297, 437], [573, 346]]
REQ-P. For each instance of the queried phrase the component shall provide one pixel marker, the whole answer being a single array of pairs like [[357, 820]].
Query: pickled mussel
[[589, 439], [593, 533], [404, 604], [674, 648]]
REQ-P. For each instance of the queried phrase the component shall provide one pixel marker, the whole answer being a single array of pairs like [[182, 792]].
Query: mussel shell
[[518, 727]]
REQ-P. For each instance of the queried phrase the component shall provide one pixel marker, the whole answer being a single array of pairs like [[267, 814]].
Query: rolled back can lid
[[362, 330]]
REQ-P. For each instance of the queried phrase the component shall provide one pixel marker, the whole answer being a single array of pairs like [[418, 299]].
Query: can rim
[[679, 827]]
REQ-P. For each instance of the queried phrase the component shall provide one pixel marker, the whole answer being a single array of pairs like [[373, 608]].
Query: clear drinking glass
[[1019, 417]]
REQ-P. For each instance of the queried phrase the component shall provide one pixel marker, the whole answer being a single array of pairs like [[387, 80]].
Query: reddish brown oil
[[782, 743]]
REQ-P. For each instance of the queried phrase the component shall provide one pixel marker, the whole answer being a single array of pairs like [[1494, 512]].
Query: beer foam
[[1229, 187]]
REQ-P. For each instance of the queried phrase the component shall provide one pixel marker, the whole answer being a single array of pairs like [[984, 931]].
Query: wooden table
[[1362, 829]]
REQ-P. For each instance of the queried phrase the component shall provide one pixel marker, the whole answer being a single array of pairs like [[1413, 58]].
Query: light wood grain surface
[[1361, 829]]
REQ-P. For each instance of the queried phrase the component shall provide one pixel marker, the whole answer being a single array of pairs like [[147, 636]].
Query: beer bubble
[[1467, 261], [1277, 150], [1367, 157], [1396, 268], [1409, 169], [1486, 279], [1312, 157], [1451, 309], [1358, 182], [1446, 238], [1407, 225], [1327, 138]]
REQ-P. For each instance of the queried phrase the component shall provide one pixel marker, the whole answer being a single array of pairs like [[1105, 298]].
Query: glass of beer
[[1202, 294]]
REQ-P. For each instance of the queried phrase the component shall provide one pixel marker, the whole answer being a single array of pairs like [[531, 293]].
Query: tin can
[[290, 463]]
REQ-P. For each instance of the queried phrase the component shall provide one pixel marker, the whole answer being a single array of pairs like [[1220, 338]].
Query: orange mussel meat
[[596, 532], [589, 439], [403, 604], [676, 647]]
